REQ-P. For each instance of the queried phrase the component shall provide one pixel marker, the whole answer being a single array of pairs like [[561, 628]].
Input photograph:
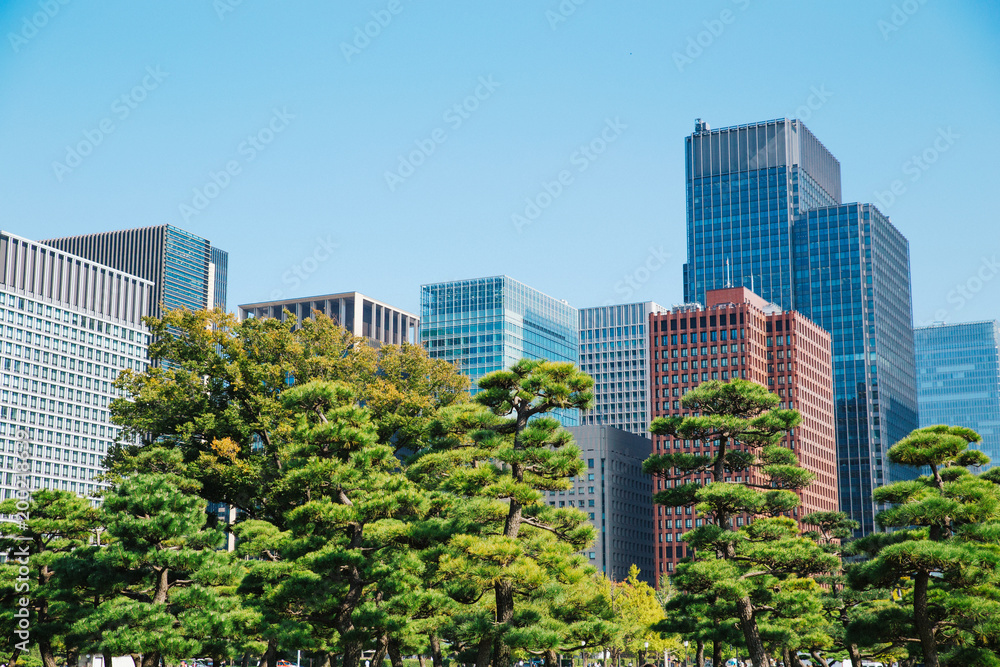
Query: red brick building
[[738, 334]]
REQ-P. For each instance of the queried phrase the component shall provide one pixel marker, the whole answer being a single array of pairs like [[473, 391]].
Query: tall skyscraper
[[764, 210], [617, 497], [745, 185], [186, 271], [488, 324], [739, 335], [379, 322], [613, 351], [69, 326], [958, 379]]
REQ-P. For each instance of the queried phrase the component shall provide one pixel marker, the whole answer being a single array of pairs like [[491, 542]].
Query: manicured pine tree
[[751, 565], [947, 528], [54, 524]]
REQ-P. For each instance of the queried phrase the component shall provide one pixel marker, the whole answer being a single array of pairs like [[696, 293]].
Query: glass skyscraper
[[187, 272], [613, 350], [488, 324], [764, 211], [958, 379]]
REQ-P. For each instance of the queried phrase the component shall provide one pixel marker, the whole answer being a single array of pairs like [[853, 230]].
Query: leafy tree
[[765, 564], [54, 524], [949, 526]]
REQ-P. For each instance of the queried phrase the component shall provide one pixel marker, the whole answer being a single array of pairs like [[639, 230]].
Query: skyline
[[297, 135]]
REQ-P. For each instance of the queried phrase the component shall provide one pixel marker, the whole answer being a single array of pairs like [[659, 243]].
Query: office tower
[[379, 322], [852, 277], [488, 324], [745, 185], [617, 497], [69, 326], [186, 271], [613, 351], [958, 379], [740, 335], [765, 211]]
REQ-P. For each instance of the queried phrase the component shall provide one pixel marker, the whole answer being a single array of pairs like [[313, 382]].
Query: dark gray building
[[617, 497], [958, 379], [764, 211], [185, 269]]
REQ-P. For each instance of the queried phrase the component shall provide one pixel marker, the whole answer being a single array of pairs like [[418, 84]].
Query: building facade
[[739, 335], [764, 211], [487, 324], [613, 351], [69, 326], [852, 277], [958, 379], [363, 316], [617, 498], [186, 271]]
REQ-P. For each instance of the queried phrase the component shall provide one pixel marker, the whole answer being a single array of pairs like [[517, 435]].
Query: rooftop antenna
[[729, 274]]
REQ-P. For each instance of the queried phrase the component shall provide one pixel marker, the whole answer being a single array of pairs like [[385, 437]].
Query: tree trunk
[[786, 659], [381, 647], [395, 652], [136, 659], [48, 657], [436, 659], [270, 657], [245, 660], [483, 652], [351, 655], [699, 654], [795, 659], [751, 634], [505, 613], [109, 659], [322, 659], [818, 659], [420, 660], [717, 660], [921, 620], [854, 653], [151, 659], [551, 660]]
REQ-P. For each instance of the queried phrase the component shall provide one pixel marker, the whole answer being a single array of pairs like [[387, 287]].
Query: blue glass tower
[[958, 376], [764, 211], [745, 185], [488, 324], [852, 277]]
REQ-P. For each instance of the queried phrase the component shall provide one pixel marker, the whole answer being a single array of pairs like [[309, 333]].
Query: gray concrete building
[[361, 315], [613, 351], [617, 498]]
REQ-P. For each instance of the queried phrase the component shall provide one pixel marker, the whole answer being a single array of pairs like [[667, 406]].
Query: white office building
[[68, 327]]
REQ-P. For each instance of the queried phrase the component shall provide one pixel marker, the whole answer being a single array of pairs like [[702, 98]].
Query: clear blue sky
[[890, 86]]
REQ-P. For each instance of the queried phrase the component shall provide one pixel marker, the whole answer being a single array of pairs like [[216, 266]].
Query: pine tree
[[949, 525], [765, 564]]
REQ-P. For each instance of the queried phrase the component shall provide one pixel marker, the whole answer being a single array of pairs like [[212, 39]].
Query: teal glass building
[[487, 324], [764, 211], [958, 376]]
